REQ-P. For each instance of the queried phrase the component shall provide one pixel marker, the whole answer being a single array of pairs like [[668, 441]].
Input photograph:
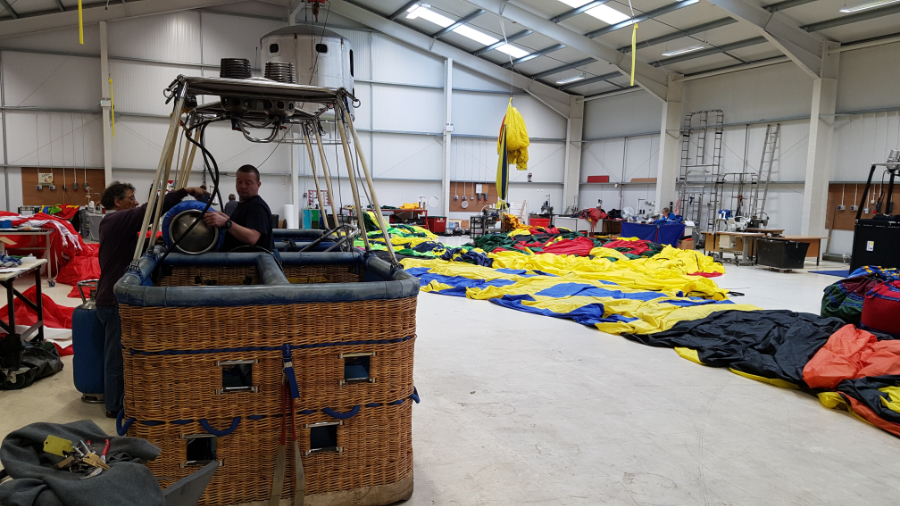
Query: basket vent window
[[323, 439], [201, 450], [351, 64], [356, 369], [237, 378], [273, 48], [321, 48]]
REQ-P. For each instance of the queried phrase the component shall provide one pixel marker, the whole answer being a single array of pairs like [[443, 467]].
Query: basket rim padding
[[136, 287]]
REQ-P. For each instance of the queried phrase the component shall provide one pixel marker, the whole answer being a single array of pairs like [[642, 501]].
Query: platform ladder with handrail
[[699, 173]]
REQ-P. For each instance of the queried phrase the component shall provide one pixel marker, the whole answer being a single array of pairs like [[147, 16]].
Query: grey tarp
[[128, 481]]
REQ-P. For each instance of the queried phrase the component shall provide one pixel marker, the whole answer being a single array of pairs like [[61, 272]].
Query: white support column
[[669, 141], [574, 136], [106, 103], [448, 133], [818, 155]]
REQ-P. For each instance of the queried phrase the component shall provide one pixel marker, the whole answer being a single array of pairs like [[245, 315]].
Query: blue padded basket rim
[[184, 206]]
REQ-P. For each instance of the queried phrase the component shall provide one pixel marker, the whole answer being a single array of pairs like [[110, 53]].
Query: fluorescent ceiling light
[[477, 36], [605, 13], [867, 6], [570, 80], [422, 11], [512, 50], [689, 49]]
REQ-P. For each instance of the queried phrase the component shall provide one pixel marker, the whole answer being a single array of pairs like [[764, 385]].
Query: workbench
[[11, 344], [39, 232], [741, 243], [767, 231]]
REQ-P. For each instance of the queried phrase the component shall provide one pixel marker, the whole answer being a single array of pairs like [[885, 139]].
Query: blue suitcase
[[87, 345]]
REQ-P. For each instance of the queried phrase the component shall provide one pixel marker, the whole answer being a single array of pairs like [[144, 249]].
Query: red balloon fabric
[[580, 246], [634, 247], [851, 353], [55, 316], [78, 269]]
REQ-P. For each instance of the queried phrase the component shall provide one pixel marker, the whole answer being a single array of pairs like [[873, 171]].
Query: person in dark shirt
[[251, 222], [119, 233], [231, 205]]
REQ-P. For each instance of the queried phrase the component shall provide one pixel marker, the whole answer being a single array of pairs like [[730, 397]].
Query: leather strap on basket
[[287, 417]]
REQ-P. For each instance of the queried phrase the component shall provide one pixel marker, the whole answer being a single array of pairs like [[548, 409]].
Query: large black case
[[876, 242]]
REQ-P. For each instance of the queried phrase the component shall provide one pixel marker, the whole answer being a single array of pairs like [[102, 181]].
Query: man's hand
[[196, 192], [215, 219]]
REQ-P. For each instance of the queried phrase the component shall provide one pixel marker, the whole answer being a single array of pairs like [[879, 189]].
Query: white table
[[11, 345], [51, 277]]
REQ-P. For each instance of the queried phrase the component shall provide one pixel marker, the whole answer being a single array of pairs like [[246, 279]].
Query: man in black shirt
[[251, 222]]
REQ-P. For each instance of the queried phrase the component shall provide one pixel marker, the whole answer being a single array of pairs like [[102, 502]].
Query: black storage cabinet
[[781, 254], [876, 242]]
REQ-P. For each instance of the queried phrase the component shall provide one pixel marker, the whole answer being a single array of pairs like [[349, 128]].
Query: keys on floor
[[93, 459], [79, 458]]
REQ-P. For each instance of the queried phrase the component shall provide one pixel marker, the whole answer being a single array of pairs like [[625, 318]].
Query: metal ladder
[[698, 177], [770, 146]]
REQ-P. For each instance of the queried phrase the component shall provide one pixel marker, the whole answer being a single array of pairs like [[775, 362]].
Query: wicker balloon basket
[[230, 356]]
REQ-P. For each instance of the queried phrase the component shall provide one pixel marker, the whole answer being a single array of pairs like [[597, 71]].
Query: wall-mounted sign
[[313, 199], [45, 178]]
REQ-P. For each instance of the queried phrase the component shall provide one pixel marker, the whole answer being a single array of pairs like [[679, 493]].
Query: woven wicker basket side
[[170, 387], [376, 447], [195, 275], [305, 274]]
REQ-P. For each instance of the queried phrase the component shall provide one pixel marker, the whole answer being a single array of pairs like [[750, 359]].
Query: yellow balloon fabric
[[648, 296], [517, 140]]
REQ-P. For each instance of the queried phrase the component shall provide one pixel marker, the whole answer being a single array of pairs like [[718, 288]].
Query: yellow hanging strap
[[112, 102], [633, 51], [80, 25]]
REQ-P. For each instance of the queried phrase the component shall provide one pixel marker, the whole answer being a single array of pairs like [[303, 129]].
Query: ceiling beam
[[459, 22], [724, 48], [399, 12], [652, 79], [786, 4], [803, 48], [425, 42], [55, 20], [852, 18], [591, 80], [578, 10], [687, 32], [531, 56], [12, 12], [497, 44], [62, 8], [665, 9], [562, 68]]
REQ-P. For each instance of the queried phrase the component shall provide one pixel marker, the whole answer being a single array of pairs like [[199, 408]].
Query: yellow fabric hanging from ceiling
[[517, 141]]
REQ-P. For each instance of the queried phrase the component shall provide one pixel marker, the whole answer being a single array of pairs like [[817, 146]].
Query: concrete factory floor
[[518, 408]]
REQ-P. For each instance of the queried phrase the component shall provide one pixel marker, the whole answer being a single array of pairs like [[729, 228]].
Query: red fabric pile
[[55, 316], [69, 262], [634, 247], [580, 246], [851, 353], [61, 253]]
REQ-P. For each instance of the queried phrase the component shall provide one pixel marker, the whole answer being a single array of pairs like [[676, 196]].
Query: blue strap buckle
[[288, 361]]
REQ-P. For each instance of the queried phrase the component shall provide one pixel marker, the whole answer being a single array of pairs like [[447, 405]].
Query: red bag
[[881, 306]]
